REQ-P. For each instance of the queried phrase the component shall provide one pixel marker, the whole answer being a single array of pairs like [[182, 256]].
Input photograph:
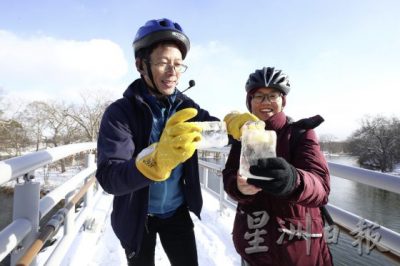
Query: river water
[[374, 204], [377, 205]]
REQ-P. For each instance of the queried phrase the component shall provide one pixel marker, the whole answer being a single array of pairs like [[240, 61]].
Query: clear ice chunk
[[214, 134], [257, 143]]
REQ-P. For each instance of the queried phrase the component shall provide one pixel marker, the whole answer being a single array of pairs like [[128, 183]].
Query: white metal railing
[[29, 209], [22, 165], [389, 241], [367, 177]]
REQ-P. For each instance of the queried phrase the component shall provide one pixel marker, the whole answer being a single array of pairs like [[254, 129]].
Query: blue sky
[[342, 56]]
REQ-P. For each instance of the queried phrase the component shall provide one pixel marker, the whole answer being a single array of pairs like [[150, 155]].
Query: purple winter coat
[[264, 224]]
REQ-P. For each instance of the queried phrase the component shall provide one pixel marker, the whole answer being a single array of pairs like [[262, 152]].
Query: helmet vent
[[268, 77], [155, 31], [163, 23], [177, 26]]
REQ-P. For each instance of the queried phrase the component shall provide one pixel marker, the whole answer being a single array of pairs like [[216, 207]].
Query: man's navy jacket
[[124, 132]]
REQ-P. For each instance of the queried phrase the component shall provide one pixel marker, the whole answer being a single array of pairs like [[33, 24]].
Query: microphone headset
[[191, 84]]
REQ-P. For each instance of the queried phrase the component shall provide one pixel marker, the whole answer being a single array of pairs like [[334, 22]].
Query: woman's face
[[265, 102], [164, 61]]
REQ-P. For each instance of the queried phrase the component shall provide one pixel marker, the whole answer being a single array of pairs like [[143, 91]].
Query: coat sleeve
[[116, 169], [204, 115], [313, 184]]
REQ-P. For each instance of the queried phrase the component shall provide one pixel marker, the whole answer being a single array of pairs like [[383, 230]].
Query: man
[[146, 151]]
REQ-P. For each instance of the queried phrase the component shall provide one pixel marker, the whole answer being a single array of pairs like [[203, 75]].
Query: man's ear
[[139, 66]]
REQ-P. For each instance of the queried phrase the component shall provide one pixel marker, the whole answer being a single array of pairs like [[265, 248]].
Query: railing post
[[90, 161], [69, 216], [26, 205], [205, 177], [221, 193]]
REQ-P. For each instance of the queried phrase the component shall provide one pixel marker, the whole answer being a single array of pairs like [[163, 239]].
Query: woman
[[278, 219]]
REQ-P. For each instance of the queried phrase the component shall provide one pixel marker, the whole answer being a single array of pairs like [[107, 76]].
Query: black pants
[[177, 238]]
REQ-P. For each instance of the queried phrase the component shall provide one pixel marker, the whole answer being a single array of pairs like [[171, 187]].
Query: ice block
[[256, 143], [214, 134]]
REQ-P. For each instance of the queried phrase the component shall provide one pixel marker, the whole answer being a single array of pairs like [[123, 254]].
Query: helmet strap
[[283, 101], [153, 89]]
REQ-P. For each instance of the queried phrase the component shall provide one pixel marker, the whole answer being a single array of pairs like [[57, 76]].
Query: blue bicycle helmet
[[155, 31]]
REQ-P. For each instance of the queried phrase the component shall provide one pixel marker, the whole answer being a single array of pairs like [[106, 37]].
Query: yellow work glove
[[178, 142], [234, 122]]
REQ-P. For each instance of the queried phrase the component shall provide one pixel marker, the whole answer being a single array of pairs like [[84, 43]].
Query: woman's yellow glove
[[234, 122], [177, 144]]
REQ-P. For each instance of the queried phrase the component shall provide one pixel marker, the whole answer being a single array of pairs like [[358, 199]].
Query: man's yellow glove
[[177, 144], [234, 122]]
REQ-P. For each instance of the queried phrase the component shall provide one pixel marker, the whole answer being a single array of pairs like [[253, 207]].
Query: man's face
[[164, 60]]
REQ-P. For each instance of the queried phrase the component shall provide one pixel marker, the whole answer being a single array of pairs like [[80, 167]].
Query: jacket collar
[[138, 88], [133, 89], [276, 122]]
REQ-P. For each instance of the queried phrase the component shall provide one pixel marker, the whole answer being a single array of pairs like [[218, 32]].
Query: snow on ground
[[100, 247]]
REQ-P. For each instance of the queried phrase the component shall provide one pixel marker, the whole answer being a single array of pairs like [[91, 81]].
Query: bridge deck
[[99, 245]]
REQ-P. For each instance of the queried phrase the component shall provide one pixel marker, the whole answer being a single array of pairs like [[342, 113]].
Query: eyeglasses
[[271, 97], [164, 67]]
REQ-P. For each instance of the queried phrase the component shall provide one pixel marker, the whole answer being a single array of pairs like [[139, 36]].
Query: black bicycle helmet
[[159, 30], [268, 77]]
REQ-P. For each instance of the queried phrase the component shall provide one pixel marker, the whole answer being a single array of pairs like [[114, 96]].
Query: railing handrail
[[389, 239], [53, 225], [367, 177], [211, 165], [29, 209], [49, 201], [18, 166], [13, 234], [375, 179]]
